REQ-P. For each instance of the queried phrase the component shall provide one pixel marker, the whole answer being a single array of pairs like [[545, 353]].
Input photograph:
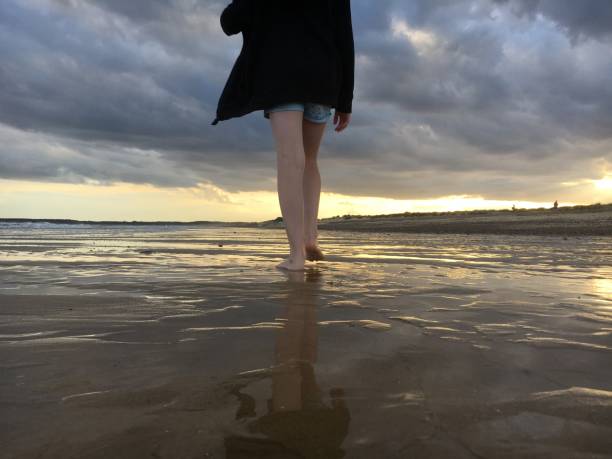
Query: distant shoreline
[[590, 220], [65, 221], [584, 220]]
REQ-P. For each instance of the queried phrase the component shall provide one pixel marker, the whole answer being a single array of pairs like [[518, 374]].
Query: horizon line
[[71, 220]]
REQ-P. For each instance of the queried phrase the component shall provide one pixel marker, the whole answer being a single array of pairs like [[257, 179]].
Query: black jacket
[[292, 51]]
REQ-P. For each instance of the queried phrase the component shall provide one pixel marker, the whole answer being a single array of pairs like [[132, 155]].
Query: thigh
[[317, 113], [312, 134], [287, 132]]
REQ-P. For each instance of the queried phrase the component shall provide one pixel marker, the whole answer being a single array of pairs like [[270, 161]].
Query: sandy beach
[[169, 341], [592, 220]]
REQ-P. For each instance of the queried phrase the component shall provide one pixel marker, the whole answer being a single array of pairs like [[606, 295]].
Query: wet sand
[[183, 342]]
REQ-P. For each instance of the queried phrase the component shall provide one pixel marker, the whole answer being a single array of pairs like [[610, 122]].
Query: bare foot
[[292, 264], [313, 252]]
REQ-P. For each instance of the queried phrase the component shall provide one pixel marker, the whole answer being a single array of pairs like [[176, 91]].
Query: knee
[[310, 162], [292, 161]]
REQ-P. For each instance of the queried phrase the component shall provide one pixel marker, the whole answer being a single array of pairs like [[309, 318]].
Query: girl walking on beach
[[296, 64]]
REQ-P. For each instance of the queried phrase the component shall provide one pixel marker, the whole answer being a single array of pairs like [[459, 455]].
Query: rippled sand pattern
[[150, 341]]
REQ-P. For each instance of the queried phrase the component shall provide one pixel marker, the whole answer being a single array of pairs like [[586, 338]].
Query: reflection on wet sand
[[140, 342], [296, 421]]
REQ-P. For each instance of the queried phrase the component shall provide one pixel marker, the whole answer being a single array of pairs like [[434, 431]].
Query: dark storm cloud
[[580, 19], [451, 97]]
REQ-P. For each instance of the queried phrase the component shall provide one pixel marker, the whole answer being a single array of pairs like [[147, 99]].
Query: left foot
[[292, 264]]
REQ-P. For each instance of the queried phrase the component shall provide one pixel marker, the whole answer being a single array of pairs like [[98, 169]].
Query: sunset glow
[[126, 201]]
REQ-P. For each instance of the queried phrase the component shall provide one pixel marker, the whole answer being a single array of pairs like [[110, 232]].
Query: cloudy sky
[[106, 105]]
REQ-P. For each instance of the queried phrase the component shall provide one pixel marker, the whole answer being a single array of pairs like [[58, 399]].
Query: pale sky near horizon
[[105, 111]]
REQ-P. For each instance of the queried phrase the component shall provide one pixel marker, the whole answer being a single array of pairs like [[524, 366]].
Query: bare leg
[[312, 134], [287, 132]]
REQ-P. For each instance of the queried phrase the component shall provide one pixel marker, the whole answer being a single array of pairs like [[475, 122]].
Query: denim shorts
[[315, 113]]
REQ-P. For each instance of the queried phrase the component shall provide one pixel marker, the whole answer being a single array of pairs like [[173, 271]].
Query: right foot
[[313, 252]]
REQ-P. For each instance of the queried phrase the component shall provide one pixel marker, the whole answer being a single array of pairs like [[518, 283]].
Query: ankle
[[310, 240]]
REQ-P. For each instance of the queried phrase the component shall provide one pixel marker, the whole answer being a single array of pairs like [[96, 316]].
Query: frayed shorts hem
[[315, 113]]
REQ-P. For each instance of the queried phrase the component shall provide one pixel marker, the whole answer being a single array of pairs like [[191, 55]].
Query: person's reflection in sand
[[298, 422]]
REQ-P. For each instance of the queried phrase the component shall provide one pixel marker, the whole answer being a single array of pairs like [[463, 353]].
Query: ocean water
[[395, 345]]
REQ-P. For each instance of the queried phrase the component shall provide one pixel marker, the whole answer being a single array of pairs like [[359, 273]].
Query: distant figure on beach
[[556, 205], [513, 207], [296, 64]]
